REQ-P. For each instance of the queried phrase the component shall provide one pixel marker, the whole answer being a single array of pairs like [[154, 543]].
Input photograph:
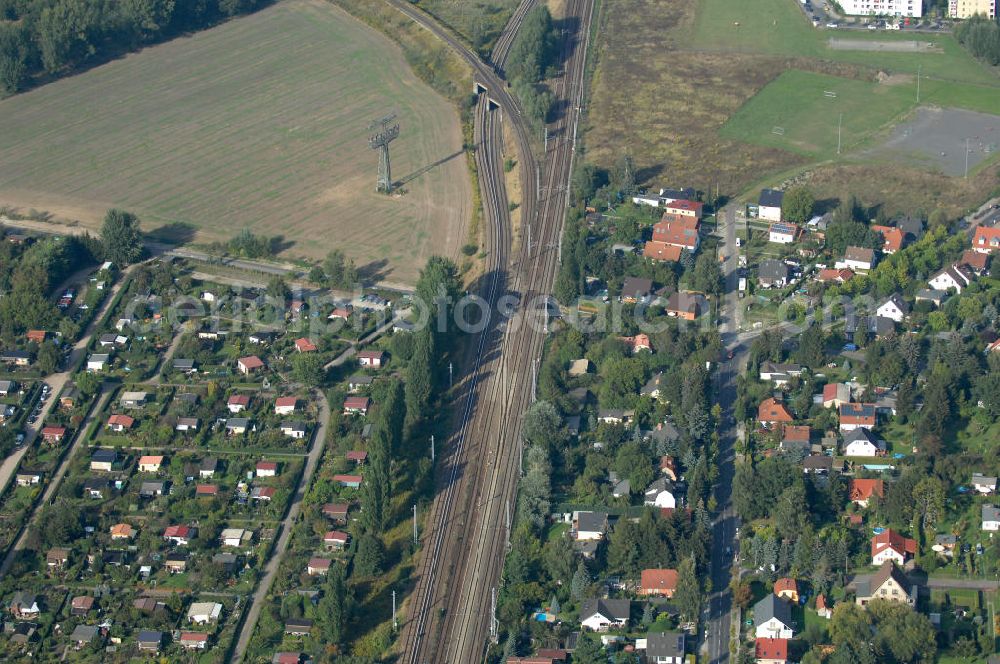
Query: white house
[[772, 618], [201, 613], [983, 484], [97, 361], [285, 405], [782, 233], [233, 536], [955, 277], [861, 443], [600, 615], [991, 518], [590, 525], [857, 258], [895, 308], [892, 546], [660, 494], [769, 204]]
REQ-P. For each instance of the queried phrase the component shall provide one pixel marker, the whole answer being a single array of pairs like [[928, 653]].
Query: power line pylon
[[384, 134]]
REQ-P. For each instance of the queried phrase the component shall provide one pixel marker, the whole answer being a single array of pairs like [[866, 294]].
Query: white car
[[739, 242], [832, 25]]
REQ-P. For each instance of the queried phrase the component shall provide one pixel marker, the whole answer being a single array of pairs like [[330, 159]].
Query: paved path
[[281, 546], [52, 487], [375, 334], [56, 383]]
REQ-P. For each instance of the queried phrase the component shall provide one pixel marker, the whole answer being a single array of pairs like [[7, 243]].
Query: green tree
[[589, 650], [121, 237], [48, 358], [580, 583], [543, 426], [689, 593], [307, 368], [370, 557], [278, 287], [797, 205]]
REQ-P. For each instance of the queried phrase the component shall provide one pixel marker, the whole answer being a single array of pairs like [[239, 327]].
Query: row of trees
[[532, 54], [981, 37], [56, 36]]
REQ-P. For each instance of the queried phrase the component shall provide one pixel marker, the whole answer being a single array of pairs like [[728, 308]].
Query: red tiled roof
[[661, 251], [892, 238], [347, 479], [772, 411], [251, 362], [974, 259], [891, 539], [771, 648], [304, 345], [793, 433], [860, 489], [687, 206], [267, 465], [239, 400], [659, 580], [282, 402], [177, 531], [206, 490], [786, 584], [986, 238], [357, 455], [370, 354], [335, 536], [681, 233], [121, 420], [359, 403], [53, 431]]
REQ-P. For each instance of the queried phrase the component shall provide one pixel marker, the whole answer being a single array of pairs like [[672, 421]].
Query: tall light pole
[[918, 83], [966, 159], [414, 524], [840, 124]]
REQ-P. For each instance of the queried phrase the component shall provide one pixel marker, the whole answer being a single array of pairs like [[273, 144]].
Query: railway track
[[469, 522], [501, 50]]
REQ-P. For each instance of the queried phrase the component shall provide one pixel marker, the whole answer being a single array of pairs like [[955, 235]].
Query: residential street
[[284, 534]]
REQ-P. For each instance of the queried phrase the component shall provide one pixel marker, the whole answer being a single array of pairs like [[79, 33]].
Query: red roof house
[[371, 358], [248, 365], [890, 545], [658, 582], [892, 238], [356, 405], [771, 411], [120, 422], [788, 588], [860, 491], [986, 239], [661, 251], [304, 345], [771, 651], [52, 434]]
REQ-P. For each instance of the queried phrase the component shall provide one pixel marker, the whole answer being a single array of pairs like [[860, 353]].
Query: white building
[[951, 277], [911, 8], [968, 8], [769, 204], [895, 308]]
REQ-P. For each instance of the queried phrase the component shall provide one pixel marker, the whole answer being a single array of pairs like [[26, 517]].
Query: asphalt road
[[717, 616], [285, 533]]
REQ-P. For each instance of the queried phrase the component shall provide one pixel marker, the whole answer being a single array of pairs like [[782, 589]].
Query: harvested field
[[259, 123]]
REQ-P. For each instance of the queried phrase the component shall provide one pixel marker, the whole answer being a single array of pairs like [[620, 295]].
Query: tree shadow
[[825, 205], [374, 271], [279, 243], [177, 232], [648, 173]]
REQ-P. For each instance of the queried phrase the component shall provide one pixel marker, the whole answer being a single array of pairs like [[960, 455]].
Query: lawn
[[260, 123], [778, 27], [800, 111]]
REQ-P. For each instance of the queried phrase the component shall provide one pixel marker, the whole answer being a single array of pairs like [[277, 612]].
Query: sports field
[[259, 123], [801, 111], [695, 99], [779, 27]]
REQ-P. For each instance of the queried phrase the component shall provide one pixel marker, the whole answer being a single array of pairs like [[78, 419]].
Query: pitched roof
[[251, 362], [661, 251], [859, 254], [771, 410], [304, 345], [889, 538], [786, 584], [239, 400], [892, 238], [857, 413], [636, 287], [772, 270], [986, 237], [885, 572], [832, 391], [862, 489], [661, 580], [795, 433], [614, 609], [121, 420], [833, 274], [284, 402], [771, 198], [899, 302], [772, 606], [664, 644], [771, 648], [978, 261]]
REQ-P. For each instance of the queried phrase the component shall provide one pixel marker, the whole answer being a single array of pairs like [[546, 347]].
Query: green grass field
[[778, 27], [259, 123], [798, 103]]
